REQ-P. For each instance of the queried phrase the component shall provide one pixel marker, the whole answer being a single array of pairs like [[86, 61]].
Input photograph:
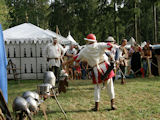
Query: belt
[[53, 58], [98, 64]]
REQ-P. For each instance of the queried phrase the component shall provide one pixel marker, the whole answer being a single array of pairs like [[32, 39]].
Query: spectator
[[54, 53], [70, 53], [136, 61], [84, 70], [123, 56], [77, 71], [146, 56]]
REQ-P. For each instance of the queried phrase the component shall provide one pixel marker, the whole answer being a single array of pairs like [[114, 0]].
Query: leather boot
[[113, 105], [122, 81], [96, 108]]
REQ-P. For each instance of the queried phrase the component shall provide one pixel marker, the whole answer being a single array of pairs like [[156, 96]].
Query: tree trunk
[[155, 23], [115, 24], [136, 33]]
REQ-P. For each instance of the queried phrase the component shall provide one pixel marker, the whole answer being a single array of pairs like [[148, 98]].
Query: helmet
[[28, 94], [63, 73], [20, 104], [91, 38], [110, 39], [36, 96], [33, 105], [44, 89], [50, 78]]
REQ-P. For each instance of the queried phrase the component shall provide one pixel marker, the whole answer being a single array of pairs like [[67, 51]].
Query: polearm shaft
[[121, 72], [59, 104]]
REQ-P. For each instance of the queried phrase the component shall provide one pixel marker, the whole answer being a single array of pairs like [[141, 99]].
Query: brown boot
[[122, 81], [113, 105], [96, 108]]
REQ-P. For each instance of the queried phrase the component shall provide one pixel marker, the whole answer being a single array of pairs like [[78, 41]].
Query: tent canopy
[[131, 41], [26, 32], [62, 40], [70, 38]]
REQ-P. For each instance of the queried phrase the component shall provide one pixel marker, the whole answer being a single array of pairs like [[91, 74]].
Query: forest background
[[118, 18]]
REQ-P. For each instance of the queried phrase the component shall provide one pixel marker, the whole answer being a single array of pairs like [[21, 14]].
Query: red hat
[[91, 38]]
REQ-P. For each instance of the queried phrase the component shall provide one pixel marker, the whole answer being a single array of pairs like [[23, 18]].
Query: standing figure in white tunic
[[54, 54], [93, 54]]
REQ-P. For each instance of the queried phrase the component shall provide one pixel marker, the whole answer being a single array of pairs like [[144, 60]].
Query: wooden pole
[[155, 23], [36, 60], [20, 60]]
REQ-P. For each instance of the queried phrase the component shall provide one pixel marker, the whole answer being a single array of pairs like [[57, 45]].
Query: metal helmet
[[50, 78], [20, 104], [36, 96], [33, 104], [28, 94], [44, 89], [64, 73]]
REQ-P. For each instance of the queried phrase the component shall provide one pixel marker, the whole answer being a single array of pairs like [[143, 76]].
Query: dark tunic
[[136, 63]]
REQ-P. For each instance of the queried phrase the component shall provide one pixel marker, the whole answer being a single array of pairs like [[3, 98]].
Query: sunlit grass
[[139, 99]]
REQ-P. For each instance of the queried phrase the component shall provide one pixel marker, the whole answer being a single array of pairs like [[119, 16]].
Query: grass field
[[139, 99]]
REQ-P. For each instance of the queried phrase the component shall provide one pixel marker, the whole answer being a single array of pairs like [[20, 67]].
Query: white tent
[[61, 39], [26, 33], [70, 38], [24, 46], [143, 44], [132, 41]]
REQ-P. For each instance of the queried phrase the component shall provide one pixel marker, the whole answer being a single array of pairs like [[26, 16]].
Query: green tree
[[4, 16], [33, 11]]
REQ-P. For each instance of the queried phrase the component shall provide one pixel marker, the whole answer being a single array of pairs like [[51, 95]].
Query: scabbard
[[105, 75]]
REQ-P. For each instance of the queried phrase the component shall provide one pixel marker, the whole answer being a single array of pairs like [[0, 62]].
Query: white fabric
[[52, 52], [70, 38], [143, 44], [132, 41], [61, 39], [102, 67], [73, 51], [93, 53], [110, 90], [91, 40], [26, 32]]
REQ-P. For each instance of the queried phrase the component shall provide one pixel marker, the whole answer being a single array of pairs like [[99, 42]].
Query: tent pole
[[36, 60], [20, 59]]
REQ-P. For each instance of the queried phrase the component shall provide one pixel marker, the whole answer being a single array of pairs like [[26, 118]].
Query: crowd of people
[[101, 61], [134, 61]]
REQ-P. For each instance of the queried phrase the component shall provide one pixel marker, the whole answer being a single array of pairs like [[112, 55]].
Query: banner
[[3, 67]]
